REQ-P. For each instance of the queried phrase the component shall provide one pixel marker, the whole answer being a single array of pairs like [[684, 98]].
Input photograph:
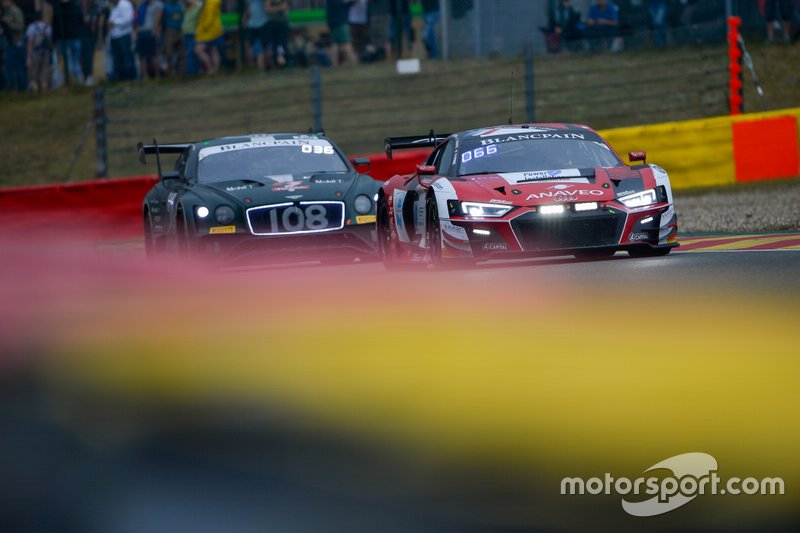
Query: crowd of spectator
[[49, 43], [605, 23]]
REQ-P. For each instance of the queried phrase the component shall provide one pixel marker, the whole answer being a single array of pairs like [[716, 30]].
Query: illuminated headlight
[[551, 209], [586, 206], [224, 214], [202, 211], [362, 204], [474, 209], [639, 199]]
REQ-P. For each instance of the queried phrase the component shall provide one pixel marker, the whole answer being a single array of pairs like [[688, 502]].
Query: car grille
[[572, 230], [296, 218]]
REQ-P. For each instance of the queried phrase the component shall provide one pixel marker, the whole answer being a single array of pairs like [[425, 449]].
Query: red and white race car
[[530, 190]]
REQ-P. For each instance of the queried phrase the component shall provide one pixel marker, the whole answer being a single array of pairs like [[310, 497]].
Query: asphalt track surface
[[746, 261], [104, 450]]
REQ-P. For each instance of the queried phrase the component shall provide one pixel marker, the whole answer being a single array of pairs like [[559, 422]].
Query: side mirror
[[171, 175], [361, 162], [426, 170], [425, 174], [637, 156]]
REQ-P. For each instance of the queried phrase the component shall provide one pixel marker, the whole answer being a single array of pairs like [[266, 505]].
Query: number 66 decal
[[478, 153]]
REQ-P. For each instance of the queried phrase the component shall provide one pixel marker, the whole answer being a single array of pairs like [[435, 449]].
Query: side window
[[434, 158], [445, 164], [180, 164]]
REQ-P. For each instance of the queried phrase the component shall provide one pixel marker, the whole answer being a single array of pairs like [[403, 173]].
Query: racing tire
[[433, 232], [647, 251], [149, 243], [181, 236], [383, 233]]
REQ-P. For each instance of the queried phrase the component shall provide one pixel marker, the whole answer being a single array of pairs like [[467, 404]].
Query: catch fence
[[359, 107]]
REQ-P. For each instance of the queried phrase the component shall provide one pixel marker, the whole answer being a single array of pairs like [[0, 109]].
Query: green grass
[[363, 105]]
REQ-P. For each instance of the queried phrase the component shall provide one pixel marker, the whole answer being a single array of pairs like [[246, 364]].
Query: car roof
[[255, 136], [506, 129]]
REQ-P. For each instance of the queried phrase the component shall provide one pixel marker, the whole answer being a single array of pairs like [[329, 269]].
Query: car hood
[[544, 186], [286, 188]]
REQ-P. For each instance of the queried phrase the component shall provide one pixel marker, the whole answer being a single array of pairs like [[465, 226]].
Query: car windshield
[[482, 156], [262, 159]]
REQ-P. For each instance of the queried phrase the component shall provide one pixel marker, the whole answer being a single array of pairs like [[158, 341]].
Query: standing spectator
[[189, 28], [13, 22], [657, 9], [358, 18], [120, 32], [564, 25], [67, 34], [401, 25], [431, 15], [39, 37], [172, 41], [342, 52], [256, 25], [2, 51], [278, 30], [91, 30], [687, 12], [380, 20], [148, 35], [603, 23], [778, 13], [209, 36]]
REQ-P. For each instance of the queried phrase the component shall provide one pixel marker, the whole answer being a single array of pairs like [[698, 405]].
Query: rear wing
[[414, 141], [159, 149]]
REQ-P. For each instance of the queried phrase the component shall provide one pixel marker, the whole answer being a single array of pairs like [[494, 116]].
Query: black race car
[[292, 196]]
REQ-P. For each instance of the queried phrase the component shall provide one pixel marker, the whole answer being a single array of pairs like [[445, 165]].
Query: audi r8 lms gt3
[[530, 189], [290, 195]]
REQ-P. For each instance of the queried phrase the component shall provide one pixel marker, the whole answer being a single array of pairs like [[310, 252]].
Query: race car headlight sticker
[[224, 214], [202, 211], [639, 199], [474, 209], [362, 204], [556, 209], [586, 206]]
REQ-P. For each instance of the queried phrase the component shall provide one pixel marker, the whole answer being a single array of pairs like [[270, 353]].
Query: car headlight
[[202, 211], [362, 204], [639, 199], [474, 209], [224, 214]]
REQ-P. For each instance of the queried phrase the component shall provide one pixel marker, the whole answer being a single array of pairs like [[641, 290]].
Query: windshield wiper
[[482, 172]]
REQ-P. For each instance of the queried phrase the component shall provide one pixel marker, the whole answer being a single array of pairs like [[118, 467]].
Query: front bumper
[[350, 242], [528, 232]]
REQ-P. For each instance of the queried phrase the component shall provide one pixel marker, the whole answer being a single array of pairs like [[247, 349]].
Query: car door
[[165, 199], [409, 203]]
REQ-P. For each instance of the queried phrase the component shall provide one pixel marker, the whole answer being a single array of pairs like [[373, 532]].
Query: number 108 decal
[[297, 218]]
